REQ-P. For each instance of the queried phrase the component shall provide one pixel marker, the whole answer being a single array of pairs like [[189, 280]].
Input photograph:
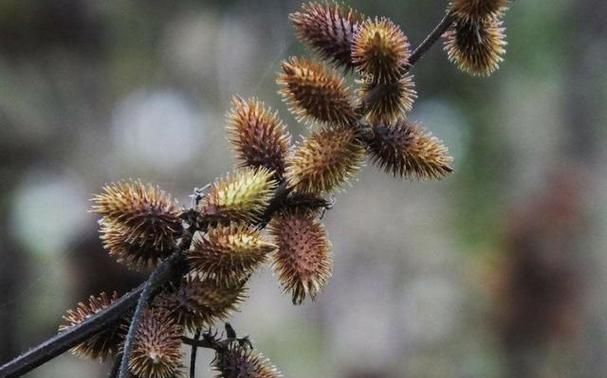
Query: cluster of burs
[[269, 209]]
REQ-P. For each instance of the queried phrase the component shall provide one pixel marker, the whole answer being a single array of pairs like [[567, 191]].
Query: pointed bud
[[328, 29], [148, 214], [476, 47], [303, 261], [137, 254], [238, 361], [156, 348], [315, 93], [103, 344], [258, 136], [477, 10], [388, 102], [228, 253], [406, 149], [242, 195], [324, 161], [380, 49], [201, 302]]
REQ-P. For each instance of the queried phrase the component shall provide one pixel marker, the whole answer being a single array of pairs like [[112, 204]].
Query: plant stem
[[431, 39], [163, 273]]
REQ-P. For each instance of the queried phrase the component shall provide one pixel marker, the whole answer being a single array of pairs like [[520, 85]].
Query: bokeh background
[[496, 271]]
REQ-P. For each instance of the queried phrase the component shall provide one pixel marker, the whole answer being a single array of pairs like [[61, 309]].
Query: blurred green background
[[496, 271]]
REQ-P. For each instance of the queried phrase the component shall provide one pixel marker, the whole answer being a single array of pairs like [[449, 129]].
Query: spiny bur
[[147, 213], [198, 303], [138, 254], [258, 136], [325, 160], [303, 261], [328, 29], [240, 361], [229, 252], [314, 92], [103, 344], [388, 102], [380, 49], [156, 351], [406, 149], [477, 10], [242, 195], [476, 47]]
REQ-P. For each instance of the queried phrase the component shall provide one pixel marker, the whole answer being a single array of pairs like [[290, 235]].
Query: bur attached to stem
[[259, 137], [328, 29], [324, 161], [303, 261], [315, 93]]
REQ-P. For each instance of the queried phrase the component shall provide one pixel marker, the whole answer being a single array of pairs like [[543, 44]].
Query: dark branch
[[163, 273], [431, 39], [63, 341], [193, 355]]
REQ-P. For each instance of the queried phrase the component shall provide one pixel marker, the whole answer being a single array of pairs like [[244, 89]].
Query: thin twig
[[199, 343], [431, 39], [63, 341], [153, 282], [193, 355]]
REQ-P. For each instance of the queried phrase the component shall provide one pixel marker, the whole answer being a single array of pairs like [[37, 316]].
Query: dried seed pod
[[380, 49], [328, 29], [228, 253], [476, 47], [315, 93], [303, 261], [201, 302], [243, 195], [238, 361], [156, 348], [477, 10], [390, 101], [103, 344], [258, 136], [137, 254], [148, 214], [325, 160], [406, 149]]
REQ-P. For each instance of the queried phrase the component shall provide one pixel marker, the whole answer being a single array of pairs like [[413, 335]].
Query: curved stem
[[431, 39], [156, 279]]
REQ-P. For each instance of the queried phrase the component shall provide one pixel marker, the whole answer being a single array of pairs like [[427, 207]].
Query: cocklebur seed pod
[[228, 252], [258, 136], [324, 161], [477, 10], [315, 93], [199, 302], [240, 196], [388, 102], [137, 254], [146, 214], [405, 149], [381, 50], [303, 261], [328, 29], [103, 344], [476, 47], [156, 348], [239, 361]]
